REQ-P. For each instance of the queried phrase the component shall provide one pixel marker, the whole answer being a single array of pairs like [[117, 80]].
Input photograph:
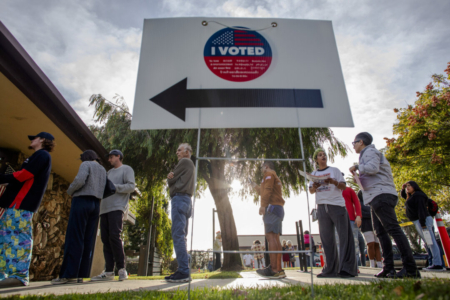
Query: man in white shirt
[[248, 260]]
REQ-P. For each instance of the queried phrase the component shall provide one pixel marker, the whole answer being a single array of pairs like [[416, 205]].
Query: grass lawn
[[393, 289]]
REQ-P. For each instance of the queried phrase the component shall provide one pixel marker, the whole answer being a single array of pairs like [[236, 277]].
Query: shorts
[[370, 237], [272, 223]]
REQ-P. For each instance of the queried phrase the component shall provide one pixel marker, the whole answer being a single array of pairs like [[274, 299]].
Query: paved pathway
[[249, 280]]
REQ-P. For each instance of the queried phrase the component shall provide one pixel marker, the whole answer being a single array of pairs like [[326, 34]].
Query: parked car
[[420, 258]]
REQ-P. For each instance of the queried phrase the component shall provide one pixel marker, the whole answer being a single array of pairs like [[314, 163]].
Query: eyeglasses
[[353, 143]]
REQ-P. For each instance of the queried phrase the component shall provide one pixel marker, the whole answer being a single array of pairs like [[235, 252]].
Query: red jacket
[[352, 203]]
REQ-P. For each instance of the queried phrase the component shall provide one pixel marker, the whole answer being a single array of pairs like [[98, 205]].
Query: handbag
[[110, 189], [314, 215]]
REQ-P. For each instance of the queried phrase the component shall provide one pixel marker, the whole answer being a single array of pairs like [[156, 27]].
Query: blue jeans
[[181, 212], [434, 248]]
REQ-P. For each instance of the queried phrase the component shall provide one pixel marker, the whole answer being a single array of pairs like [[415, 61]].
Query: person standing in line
[[286, 256], [379, 192], [181, 185], [210, 264], [111, 217], [258, 256], [86, 191], [20, 201], [217, 246], [333, 217], [290, 247], [416, 206], [354, 213], [373, 244], [272, 210], [309, 244], [248, 260]]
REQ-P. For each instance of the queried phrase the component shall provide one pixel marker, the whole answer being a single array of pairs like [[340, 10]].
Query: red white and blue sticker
[[237, 54]]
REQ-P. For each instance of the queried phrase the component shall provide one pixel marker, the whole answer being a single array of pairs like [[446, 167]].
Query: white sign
[[239, 73]]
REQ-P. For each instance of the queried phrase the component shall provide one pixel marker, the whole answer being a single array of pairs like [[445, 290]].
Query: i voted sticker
[[237, 54]]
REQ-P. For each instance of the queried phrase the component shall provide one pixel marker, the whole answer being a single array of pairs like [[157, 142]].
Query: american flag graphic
[[237, 38], [9, 170]]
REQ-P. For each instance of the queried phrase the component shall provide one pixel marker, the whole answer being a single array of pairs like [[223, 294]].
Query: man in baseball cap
[[21, 199], [42, 135], [111, 214]]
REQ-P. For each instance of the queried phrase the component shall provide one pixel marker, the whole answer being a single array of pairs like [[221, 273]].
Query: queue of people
[[338, 210]]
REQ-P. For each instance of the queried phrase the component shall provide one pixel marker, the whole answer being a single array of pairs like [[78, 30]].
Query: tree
[[421, 149], [154, 153]]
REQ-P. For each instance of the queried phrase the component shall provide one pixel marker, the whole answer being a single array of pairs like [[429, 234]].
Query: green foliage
[[421, 149]]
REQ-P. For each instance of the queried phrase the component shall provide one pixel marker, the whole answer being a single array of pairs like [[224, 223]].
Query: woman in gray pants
[[332, 214]]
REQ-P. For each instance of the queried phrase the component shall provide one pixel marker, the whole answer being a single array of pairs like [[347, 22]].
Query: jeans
[[181, 212], [111, 226], [80, 237], [355, 231], [433, 248], [385, 223]]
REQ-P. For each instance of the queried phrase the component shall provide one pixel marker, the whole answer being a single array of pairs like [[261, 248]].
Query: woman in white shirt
[[332, 214]]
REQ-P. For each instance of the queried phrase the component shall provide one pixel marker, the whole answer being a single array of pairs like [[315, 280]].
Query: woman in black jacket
[[417, 212], [373, 244]]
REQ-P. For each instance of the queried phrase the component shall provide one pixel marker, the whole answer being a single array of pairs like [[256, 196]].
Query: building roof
[[30, 103]]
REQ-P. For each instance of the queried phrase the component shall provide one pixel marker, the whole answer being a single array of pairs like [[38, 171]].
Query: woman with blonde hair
[[290, 247]]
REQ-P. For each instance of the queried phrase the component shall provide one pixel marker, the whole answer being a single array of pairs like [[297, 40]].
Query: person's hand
[[352, 169], [170, 176], [332, 181], [404, 186], [316, 185], [262, 211], [358, 221]]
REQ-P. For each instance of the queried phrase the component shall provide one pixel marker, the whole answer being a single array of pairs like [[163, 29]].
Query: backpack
[[432, 207]]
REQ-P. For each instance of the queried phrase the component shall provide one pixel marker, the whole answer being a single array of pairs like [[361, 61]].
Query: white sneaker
[[123, 274], [104, 276], [59, 281]]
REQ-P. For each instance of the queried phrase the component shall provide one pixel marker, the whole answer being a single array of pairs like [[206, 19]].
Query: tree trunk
[[219, 190]]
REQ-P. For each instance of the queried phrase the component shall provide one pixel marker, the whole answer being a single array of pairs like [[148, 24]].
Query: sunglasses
[[353, 143]]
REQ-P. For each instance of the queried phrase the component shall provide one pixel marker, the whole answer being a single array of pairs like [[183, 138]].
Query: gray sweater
[[90, 180], [123, 179], [183, 178], [375, 174]]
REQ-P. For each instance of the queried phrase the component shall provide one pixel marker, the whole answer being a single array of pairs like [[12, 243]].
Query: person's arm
[[269, 181], [372, 164], [423, 209], [35, 164], [80, 179], [403, 193], [313, 186], [184, 166], [129, 185]]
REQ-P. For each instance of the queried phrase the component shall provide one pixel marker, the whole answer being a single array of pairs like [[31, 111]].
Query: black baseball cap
[[42, 135], [116, 152]]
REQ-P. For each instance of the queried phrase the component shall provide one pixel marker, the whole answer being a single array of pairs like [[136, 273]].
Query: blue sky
[[388, 51]]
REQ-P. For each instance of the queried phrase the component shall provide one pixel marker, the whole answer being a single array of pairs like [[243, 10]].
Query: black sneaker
[[265, 272], [386, 274], [170, 276], [434, 268], [403, 273], [179, 277]]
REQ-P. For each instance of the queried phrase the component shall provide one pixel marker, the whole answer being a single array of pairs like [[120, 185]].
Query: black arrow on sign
[[177, 98]]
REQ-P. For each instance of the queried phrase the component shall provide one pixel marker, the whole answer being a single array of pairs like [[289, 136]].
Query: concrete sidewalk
[[249, 280]]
